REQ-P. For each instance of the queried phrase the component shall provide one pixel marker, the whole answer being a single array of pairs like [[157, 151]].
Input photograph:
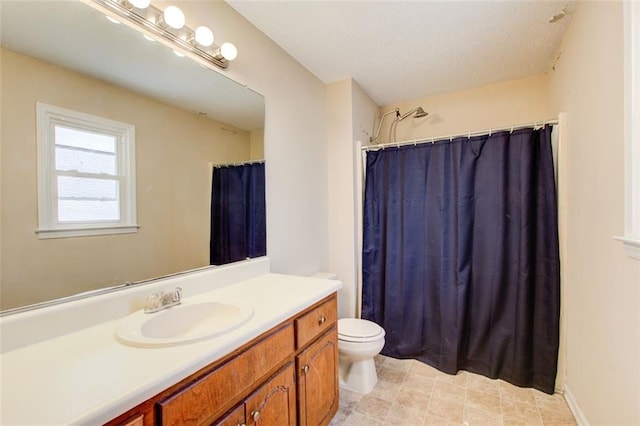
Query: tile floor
[[412, 393]]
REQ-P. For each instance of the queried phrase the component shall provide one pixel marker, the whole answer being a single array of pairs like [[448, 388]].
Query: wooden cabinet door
[[318, 381], [274, 404]]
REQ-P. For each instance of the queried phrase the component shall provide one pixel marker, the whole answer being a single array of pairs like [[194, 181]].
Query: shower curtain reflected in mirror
[[238, 220], [460, 255]]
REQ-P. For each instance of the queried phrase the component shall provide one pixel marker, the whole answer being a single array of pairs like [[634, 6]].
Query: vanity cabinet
[[286, 376]]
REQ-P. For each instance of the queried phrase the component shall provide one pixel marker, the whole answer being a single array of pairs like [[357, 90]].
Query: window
[[86, 174], [631, 237]]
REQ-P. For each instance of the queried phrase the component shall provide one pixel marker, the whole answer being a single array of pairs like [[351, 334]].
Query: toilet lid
[[353, 329]]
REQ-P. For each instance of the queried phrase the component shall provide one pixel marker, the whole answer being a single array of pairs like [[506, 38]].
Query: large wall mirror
[[187, 119]]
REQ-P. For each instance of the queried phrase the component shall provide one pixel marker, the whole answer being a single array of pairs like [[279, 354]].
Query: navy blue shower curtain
[[238, 220], [460, 255]]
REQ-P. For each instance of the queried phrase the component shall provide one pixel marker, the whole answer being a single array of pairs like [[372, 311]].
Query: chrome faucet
[[162, 300]]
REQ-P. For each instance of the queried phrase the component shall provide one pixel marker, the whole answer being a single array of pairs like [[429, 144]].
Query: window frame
[[47, 117]]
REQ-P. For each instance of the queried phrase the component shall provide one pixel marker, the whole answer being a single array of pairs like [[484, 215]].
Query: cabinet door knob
[[305, 369], [255, 416], [322, 320]]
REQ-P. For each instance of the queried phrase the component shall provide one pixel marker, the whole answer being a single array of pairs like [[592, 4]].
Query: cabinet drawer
[[316, 321], [213, 394]]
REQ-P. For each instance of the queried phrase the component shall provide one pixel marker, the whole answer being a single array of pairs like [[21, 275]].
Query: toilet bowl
[[359, 341]]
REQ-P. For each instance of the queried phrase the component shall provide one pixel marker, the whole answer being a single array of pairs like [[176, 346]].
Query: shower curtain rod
[[457, 135], [243, 163]]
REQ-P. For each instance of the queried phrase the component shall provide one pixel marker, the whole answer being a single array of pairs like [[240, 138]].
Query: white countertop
[[87, 377]]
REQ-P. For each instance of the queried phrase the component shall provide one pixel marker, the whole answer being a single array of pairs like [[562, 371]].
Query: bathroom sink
[[188, 322]]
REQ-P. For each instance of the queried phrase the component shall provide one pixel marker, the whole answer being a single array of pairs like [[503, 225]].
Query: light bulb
[[140, 4], [204, 36], [112, 19], [178, 54], [228, 51], [148, 37], [174, 17]]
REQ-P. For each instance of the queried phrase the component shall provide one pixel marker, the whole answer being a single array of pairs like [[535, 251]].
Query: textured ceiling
[[400, 50]]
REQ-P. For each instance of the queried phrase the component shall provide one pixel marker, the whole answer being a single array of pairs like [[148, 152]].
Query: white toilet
[[359, 341]]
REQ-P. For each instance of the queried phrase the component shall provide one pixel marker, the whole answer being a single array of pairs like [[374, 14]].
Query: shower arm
[[398, 119], [373, 138]]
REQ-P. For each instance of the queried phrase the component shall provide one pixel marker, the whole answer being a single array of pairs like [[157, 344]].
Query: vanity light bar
[[154, 21]]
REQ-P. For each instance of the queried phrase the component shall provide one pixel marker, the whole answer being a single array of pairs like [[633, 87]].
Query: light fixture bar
[[177, 38]]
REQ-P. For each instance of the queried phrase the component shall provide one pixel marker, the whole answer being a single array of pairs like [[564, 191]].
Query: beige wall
[[349, 110], [340, 197], [173, 151], [602, 303], [256, 145], [491, 106]]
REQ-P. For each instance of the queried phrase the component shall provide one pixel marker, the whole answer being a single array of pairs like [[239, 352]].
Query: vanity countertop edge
[[88, 377]]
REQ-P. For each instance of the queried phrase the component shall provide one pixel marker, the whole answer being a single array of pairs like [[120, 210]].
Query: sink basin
[[185, 323]]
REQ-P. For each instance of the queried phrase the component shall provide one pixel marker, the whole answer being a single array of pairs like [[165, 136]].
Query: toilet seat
[[359, 330]]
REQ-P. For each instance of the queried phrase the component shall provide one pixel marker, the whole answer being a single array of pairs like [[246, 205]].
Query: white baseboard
[[581, 419]]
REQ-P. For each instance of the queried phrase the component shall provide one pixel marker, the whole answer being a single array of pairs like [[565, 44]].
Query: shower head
[[417, 113], [420, 113]]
